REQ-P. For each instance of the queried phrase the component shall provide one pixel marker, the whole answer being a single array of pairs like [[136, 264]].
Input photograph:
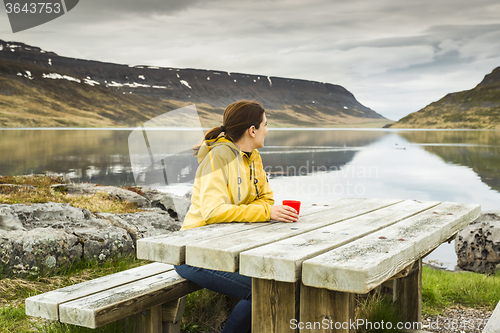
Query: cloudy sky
[[395, 56]]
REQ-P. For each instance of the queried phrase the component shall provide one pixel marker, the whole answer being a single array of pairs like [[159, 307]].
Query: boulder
[[175, 205], [48, 237], [37, 251], [478, 245], [139, 225]]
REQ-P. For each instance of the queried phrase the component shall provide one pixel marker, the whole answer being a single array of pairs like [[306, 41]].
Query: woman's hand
[[284, 214]]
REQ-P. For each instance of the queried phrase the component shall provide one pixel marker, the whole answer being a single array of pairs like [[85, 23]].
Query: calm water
[[310, 165]]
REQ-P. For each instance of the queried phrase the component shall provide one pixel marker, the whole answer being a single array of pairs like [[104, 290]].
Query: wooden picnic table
[[311, 270]]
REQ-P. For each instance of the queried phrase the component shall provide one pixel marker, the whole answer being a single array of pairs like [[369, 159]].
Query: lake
[[311, 165]]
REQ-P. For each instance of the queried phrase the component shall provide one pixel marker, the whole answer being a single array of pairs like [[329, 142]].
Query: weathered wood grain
[[111, 305], [173, 310], [172, 315], [170, 248], [407, 293], [46, 305], [282, 260], [326, 310], [274, 305], [147, 321], [362, 265], [222, 253]]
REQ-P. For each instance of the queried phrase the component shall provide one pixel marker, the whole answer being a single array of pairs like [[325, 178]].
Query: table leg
[[274, 305], [408, 293], [327, 310]]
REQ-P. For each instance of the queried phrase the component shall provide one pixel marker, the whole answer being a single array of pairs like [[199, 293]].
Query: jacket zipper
[[255, 180]]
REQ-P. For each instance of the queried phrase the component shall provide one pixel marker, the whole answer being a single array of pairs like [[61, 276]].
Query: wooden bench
[[151, 298]]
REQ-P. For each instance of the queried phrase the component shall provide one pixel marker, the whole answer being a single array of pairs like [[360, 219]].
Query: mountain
[[475, 108], [42, 89]]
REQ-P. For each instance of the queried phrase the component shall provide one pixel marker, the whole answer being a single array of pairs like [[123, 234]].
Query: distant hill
[[475, 108], [41, 89]]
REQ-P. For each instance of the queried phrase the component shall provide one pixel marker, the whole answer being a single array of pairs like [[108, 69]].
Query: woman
[[231, 186]]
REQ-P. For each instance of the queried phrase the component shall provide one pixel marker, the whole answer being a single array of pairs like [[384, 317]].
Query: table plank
[[46, 305], [222, 253], [110, 305], [362, 265], [282, 261], [171, 248]]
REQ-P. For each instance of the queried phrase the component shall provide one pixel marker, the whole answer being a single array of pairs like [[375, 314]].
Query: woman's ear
[[251, 131]]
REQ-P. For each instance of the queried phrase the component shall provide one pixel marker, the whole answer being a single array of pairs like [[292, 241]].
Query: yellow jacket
[[218, 196]]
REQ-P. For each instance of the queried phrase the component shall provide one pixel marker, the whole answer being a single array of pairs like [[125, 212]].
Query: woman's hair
[[237, 118]]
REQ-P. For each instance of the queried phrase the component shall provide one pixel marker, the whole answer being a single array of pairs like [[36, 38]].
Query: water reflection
[[437, 165], [97, 156], [478, 150], [101, 156]]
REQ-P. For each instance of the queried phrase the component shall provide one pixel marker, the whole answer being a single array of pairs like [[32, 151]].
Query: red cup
[[293, 203]]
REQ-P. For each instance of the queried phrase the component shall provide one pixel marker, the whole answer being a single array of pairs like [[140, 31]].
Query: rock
[[49, 237], [114, 192], [143, 224], [105, 242], [51, 214], [189, 194], [52, 236], [478, 245], [175, 205], [37, 251], [8, 220]]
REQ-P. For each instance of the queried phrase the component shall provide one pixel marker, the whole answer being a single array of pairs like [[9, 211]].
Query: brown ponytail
[[237, 118]]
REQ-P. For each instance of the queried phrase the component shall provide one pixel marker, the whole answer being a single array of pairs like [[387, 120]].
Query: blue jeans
[[232, 284]]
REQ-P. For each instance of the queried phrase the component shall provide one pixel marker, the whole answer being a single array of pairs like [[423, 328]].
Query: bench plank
[[111, 305], [171, 248], [282, 261], [222, 253], [46, 305], [362, 265]]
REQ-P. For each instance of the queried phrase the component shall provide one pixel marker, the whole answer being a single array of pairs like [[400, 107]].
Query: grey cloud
[[134, 6]]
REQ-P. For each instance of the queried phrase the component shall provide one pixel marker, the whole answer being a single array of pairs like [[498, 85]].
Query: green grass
[[441, 289], [377, 309], [207, 311], [13, 319]]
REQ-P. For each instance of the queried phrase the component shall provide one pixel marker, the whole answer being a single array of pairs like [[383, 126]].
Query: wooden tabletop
[[350, 245]]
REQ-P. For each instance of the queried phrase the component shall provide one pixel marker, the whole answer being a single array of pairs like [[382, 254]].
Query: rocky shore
[[43, 238]]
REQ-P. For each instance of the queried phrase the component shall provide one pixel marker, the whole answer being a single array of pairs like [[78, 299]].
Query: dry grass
[[206, 311], [14, 291], [36, 189]]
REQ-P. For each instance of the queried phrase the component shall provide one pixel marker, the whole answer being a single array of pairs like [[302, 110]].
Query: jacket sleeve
[[215, 200]]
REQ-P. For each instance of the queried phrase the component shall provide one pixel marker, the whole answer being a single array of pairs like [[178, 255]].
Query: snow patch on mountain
[[186, 84], [56, 76]]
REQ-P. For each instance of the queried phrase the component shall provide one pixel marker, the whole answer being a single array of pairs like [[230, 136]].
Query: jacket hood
[[208, 145]]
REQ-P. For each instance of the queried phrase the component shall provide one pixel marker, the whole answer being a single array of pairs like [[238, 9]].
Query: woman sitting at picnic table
[[231, 186]]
